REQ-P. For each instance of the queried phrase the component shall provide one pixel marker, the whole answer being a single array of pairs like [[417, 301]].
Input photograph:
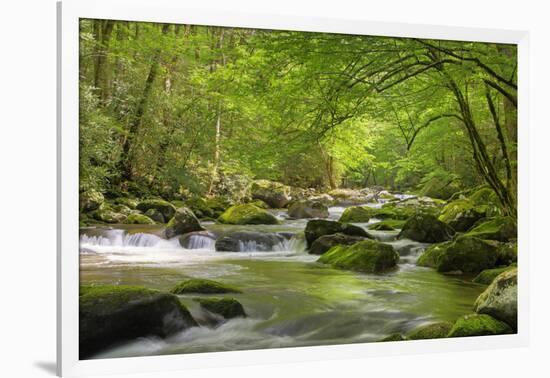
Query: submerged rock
[[183, 222], [228, 308], [319, 227], [496, 228], [138, 219], [366, 256], [464, 254], [326, 242], [431, 331], [426, 228], [273, 193], [90, 200], [164, 207], [113, 314], [500, 299], [202, 286], [249, 240], [308, 209], [478, 325]]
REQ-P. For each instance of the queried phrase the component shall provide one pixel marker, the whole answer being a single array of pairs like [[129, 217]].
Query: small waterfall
[[297, 244], [201, 242], [123, 239]]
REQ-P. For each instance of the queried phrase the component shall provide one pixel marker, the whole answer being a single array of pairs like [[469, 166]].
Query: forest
[[250, 189]]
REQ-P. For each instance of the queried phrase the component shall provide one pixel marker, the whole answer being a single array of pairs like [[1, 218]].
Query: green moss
[[226, 307], [166, 208], [462, 214], [500, 299], [203, 286], [366, 256], [320, 227], [464, 254], [496, 228], [394, 337], [478, 325], [247, 214], [387, 225], [138, 219], [431, 331], [356, 214], [126, 201], [488, 275], [426, 228], [259, 203]]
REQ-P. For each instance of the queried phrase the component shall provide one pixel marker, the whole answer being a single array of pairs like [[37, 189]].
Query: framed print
[[252, 188]]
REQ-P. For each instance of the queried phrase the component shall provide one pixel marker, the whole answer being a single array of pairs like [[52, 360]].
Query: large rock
[[227, 308], [319, 227], [197, 240], [462, 214], [106, 214], [496, 228], [110, 315], [138, 219], [326, 242], [488, 275], [500, 299], [273, 193], [362, 214], [343, 196], [387, 225], [357, 214], [184, 221], [164, 207], [426, 228], [155, 215], [308, 209], [507, 253], [464, 254], [431, 331], [203, 286], [249, 241], [367, 256], [90, 200], [325, 199], [247, 214], [478, 325]]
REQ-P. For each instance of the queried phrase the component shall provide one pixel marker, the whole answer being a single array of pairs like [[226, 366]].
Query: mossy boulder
[[90, 200], [486, 197], [155, 215], [308, 209], [228, 308], [127, 201], [184, 221], [203, 286], [199, 207], [259, 203], [431, 331], [357, 214], [488, 275], [478, 325], [344, 196], [319, 227], [247, 214], [107, 215], [164, 207], [387, 225], [500, 299], [275, 194], [110, 315], [426, 228], [394, 337], [496, 228], [464, 254], [367, 256], [507, 253], [326, 242], [138, 219], [462, 214]]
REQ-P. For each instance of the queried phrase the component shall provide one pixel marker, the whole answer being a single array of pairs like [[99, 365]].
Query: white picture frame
[[173, 11]]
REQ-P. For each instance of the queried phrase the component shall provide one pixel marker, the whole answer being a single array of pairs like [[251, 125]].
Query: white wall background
[[27, 185]]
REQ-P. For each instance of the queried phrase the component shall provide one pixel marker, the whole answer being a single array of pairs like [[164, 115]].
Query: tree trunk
[[101, 80]]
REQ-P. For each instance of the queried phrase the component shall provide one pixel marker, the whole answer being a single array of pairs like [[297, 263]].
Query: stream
[[290, 299]]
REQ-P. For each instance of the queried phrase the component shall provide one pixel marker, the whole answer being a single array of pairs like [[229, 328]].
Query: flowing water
[[290, 299]]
